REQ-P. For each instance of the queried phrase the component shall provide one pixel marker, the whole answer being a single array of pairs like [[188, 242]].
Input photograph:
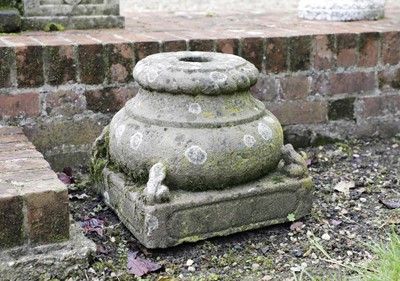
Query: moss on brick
[[299, 53], [11, 223], [341, 109]]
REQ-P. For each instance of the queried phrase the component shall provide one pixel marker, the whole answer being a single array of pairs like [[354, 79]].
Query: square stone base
[[193, 216], [73, 22], [47, 262]]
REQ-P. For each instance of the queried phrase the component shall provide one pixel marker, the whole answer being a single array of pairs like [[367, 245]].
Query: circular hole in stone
[[195, 59]]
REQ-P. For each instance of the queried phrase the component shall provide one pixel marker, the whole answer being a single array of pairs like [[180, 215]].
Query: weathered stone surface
[[194, 73], [47, 262], [10, 19], [185, 127], [206, 148], [73, 22], [341, 10], [193, 216]]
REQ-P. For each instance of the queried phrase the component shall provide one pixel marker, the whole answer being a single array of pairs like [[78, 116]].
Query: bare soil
[[352, 181]]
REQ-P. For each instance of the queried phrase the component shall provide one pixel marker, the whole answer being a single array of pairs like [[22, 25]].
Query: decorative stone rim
[[195, 73], [341, 10]]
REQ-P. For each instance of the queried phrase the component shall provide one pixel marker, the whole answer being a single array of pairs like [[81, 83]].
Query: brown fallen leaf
[[344, 186], [92, 225], [140, 267], [296, 225]]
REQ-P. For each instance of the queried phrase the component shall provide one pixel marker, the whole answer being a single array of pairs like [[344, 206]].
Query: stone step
[[33, 201]]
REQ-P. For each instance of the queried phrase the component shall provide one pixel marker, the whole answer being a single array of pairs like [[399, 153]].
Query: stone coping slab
[[33, 201], [46, 262], [194, 216]]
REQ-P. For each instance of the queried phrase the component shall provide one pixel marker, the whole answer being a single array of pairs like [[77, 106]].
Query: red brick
[[228, 46], [29, 66], [323, 51], [13, 139], [47, 216], [15, 146], [380, 106], [391, 48], [12, 218], [144, 49], [108, 99], [92, 65], [300, 112], [265, 89], [19, 154], [66, 103], [7, 56], [23, 164], [389, 79], [293, 87], [19, 106], [300, 52], [346, 49], [28, 176], [320, 83], [203, 45], [60, 64], [121, 58], [355, 82], [276, 55], [368, 54], [174, 45], [252, 50], [10, 130]]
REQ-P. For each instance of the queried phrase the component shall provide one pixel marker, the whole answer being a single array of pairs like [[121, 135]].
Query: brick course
[[33, 201]]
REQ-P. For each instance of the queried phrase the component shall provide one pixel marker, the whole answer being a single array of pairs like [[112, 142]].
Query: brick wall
[[33, 201], [64, 90]]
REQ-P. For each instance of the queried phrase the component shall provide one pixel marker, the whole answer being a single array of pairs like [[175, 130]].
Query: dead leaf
[[101, 250], [140, 267], [344, 186], [335, 222], [393, 203], [92, 225], [296, 225], [64, 178]]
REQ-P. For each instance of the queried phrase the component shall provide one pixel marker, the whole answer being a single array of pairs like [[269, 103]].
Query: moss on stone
[[52, 26]]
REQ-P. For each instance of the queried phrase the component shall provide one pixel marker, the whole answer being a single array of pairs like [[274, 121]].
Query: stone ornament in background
[[195, 155], [341, 10], [71, 14]]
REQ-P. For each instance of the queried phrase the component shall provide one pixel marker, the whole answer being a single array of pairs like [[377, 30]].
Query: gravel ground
[[353, 182]]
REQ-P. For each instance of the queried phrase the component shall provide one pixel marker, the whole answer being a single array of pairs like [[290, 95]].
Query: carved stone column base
[[341, 10]]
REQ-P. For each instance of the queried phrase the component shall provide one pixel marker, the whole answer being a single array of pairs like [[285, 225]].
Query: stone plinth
[[199, 156], [341, 10], [194, 216], [72, 14]]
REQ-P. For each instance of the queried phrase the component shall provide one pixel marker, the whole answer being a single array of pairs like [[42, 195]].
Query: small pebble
[[255, 265], [189, 262], [363, 199], [91, 270], [191, 268], [326, 237]]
